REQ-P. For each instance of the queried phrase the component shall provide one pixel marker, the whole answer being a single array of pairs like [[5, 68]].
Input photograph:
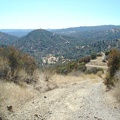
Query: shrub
[[107, 52], [84, 59], [13, 61], [70, 66], [93, 56], [93, 70], [81, 67], [114, 61], [113, 64]]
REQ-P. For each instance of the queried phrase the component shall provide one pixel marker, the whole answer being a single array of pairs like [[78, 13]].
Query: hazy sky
[[44, 14]]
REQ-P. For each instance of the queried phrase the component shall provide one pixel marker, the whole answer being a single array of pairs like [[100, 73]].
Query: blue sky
[[34, 14]]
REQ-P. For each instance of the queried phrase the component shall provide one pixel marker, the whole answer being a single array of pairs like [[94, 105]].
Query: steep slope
[[6, 39]]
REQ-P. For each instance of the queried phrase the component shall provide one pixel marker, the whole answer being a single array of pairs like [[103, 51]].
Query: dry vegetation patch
[[71, 78], [14, 95]]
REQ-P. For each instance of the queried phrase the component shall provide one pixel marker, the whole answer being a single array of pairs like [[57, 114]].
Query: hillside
[[86, 35], [6, 39], [85, 28], [50, 47], [41, 43], [45, 45]]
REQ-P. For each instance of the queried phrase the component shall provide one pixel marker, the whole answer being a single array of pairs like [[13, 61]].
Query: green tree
[[93, 55]]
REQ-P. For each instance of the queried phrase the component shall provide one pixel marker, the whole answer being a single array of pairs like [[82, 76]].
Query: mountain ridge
[[6, 39], [41, 43]]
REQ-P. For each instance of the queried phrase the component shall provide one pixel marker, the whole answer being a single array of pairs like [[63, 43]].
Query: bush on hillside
[[84, 59], [81, 67], [71, 66], [93, 56], [13, 62], [107, 52], [113, 64], [94, 70]]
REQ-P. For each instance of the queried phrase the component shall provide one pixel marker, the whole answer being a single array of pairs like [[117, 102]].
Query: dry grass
[[116, 89], [14, 95], [61, 79]]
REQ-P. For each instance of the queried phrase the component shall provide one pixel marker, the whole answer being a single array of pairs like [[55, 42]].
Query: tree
[[113, 64], [114, 61], [93, 55]]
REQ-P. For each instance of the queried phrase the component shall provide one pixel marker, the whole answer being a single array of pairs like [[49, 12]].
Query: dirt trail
[[81, 100], [97, 63]]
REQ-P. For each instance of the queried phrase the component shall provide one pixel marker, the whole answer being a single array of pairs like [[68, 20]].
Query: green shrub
[[93, 70], [69, 67], [93, 56], [81, 67], [107, 52]]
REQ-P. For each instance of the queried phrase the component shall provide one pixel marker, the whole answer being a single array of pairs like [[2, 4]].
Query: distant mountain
[[43, 44], [16, 32], [6, 39], [40, 43], [85, 28], [86, 35]]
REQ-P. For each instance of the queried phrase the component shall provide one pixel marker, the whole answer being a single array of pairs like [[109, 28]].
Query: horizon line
[[57, 28]]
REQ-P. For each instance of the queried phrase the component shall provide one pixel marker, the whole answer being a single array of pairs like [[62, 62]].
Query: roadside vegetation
[[114, 66], [113, 74], [16, 66], [76, 66]]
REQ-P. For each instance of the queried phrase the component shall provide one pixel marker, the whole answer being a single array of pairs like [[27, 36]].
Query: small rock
[[49, 112], [10, 108], [115, 107], [0, 118], [45, 97], [36, 115], [95, 117]]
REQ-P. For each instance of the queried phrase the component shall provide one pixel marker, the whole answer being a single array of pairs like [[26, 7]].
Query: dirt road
[[81, 100]]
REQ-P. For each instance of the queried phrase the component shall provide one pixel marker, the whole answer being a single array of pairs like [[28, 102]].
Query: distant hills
[[16, 32], [85, 28], [6, 39], [86, 35], [40, 43], [71, 43]]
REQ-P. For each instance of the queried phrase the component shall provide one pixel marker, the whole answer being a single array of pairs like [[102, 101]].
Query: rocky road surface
[[82, 100]]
